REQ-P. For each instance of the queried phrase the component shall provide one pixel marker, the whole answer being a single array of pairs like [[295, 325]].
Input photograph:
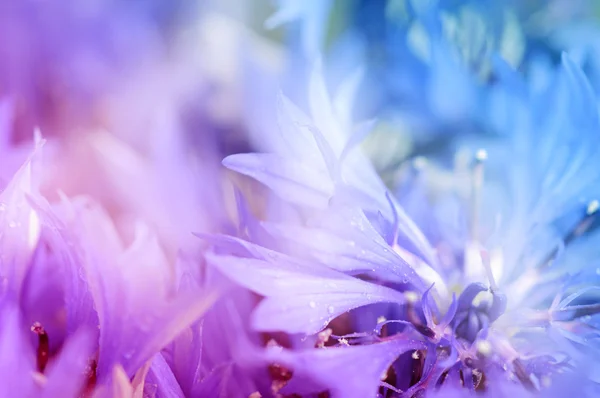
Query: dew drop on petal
[[81, 274], [312, 304], [330, 310], [546, 381]]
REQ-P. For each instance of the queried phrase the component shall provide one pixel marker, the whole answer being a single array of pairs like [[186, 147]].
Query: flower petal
[[289, 179], [354, 371], [299, 298], [66, 377]]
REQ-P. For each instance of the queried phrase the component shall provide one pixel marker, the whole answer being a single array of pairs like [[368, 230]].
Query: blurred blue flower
[[429, 63]]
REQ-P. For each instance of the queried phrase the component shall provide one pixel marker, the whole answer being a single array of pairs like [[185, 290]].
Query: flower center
[[43, 356], [477, 308]]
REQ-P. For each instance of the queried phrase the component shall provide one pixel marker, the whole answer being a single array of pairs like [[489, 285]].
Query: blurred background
[[120, 88]]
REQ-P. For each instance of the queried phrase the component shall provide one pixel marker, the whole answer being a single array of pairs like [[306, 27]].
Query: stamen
[[476, 187], [425, 331], [390, 387], [356, 335], [574, 312], [479, 380], [90, 373], [380, 325], [43, 349], [586, 222], [280, 376], [418, 364], [323, 338], [388, 382], [485, 261], [477, 180], [522, 375], [442, 379]]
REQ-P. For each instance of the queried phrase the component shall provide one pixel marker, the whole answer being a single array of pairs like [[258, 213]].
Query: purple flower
[[20, 375], [83, 309], [57, 60]]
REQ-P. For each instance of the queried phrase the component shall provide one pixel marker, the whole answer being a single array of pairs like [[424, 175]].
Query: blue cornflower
[[497, 300]]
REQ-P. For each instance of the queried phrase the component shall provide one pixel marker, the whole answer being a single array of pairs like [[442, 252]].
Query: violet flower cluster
[[141, 257]]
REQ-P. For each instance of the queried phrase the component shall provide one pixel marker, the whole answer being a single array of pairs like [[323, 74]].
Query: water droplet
[[546, 381], [411, 297], [330, 310], [81, 274], [312, 304], [598, 271], [2, 206], [12, 224]]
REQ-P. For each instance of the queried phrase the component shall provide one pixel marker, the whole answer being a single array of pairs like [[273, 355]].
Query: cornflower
[[374, 306]]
